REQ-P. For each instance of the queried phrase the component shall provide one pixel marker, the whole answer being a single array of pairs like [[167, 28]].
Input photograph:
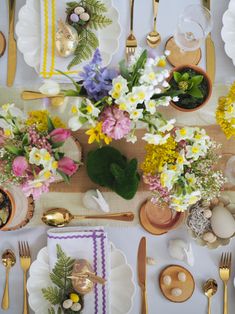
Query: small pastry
[[76, 307], [182, 276], [176, 292], [67, 304], [167, 280]]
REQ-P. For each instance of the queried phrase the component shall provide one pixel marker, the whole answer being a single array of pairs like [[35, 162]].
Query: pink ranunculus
[[19, 166], [60, 135], [67, 166], [116, 123]]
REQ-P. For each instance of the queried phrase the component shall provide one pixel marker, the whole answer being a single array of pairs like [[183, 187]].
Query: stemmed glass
[[194, 24]]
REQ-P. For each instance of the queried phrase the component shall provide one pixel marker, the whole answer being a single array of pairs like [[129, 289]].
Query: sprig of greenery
[[189, 84]]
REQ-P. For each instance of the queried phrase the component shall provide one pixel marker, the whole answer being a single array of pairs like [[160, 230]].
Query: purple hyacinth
[[97, 80]]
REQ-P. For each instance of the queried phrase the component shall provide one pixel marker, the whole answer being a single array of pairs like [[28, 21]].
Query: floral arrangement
[[225, 113], [62, 296], [30, 150], [112, 102], [181, 171]]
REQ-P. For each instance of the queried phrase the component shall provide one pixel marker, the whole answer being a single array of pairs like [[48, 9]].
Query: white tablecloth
[[206, 264]]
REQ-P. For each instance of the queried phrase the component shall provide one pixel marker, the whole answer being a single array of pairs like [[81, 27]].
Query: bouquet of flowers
[[181, 171], [30, 150], [225, 113], [112, 103]]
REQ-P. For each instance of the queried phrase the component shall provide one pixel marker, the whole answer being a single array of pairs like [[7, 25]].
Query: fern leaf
[[99, 21], [94, 6], [52, 294], [88, 43], [51, 311]]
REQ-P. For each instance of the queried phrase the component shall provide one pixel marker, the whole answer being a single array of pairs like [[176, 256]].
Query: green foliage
[[50, 124], [14, 150], [106, 166], [189, 83], [62, 284], [64, 176], [88, 41]]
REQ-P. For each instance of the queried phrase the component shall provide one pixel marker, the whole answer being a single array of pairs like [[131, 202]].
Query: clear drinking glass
[[194, 24]]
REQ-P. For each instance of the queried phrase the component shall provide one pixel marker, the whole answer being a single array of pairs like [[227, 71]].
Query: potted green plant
[[192, 85]]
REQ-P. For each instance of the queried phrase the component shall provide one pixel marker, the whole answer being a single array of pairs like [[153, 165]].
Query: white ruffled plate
[[122, 287], [28, 30], [228, 31]]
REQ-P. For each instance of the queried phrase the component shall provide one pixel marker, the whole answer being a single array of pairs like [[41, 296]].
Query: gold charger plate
[[187, 287]]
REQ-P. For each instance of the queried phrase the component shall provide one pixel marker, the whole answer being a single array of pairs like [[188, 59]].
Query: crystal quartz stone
[[67, 40]]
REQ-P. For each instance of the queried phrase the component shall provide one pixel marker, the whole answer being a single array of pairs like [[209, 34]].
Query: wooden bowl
[[200, 71]]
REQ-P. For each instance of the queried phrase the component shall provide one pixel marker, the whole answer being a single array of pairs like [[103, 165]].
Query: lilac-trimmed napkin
[[90, 243]]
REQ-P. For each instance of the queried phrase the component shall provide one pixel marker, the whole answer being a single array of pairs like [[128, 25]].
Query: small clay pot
[[12, 210], [200, 71]]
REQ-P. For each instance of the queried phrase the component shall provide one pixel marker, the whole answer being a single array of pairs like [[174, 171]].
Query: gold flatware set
[[142, 274], [12, 49], [9, 260], [131, 42]]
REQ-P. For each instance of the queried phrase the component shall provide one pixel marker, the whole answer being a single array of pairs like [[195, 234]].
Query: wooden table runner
[[80, 182]]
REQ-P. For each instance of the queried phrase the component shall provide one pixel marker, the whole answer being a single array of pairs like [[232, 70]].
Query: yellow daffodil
[[96, 135]]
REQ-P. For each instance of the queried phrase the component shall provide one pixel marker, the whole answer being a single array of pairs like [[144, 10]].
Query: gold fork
[[131, 42], [224, 272], [25, 262]]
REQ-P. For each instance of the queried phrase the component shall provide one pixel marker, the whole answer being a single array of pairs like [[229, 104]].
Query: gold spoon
[[2, 44], [31, 95], [154, 38], [210, 288], [8, 260], [59, 217]]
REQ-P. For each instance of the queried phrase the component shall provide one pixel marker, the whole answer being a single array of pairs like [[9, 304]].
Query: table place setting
[[117, 157]]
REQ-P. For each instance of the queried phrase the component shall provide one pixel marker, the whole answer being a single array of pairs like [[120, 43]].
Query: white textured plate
[[228, 30], [28, 30], [122, 287]]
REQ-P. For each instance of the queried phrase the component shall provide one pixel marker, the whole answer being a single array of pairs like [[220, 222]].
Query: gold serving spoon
[[210, 289], [154, 38], [2, 44], [59, 217], [31, 95], [8, 260]]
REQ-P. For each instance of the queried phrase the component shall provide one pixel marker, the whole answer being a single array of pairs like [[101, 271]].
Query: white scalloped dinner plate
[[122, 287], [28, 30], [228, 31]]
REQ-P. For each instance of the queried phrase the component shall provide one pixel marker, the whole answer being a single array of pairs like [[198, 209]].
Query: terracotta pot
[[13, 208], [200, 71]]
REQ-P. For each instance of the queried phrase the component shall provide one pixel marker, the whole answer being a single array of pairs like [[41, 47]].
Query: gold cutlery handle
[[5, 298], [144, 302], [31, 95], [132, 16], [209, 305], [25, 311], [127, 216], [155, 11], [225, 298], [11, 4]]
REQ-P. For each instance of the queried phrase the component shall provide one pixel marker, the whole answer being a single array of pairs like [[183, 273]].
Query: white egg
[[209, 237], [222, 222], [167, 280], [67, 304], [176, 292]]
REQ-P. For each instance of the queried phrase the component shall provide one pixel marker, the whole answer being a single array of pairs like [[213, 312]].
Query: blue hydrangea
[[97, 80]]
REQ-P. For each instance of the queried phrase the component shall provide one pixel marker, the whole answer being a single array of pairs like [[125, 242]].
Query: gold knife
[[12, 50], [210, 51], [142, 274]]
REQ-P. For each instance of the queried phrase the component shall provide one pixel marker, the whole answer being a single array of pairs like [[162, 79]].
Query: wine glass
[[194, 24]]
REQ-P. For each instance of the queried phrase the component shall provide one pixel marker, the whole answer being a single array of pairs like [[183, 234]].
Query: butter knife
[[142, 274], [210, 51], [12, 50]]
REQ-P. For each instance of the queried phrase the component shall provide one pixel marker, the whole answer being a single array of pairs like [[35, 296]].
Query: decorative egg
[[167, 280], [74, 18], [85, 17], [176, 292], [76, 307], [79, 10], [231, 208], [82, 285], [67, 304], [182, 276], [67, 40], [209, 237], [225, 200], [222, 222], [207, 213]]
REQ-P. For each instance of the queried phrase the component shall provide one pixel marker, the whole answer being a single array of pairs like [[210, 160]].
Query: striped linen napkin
[[88, 243]]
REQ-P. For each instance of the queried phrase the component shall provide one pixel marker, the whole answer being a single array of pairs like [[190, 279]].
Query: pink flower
[[115, 122], [60, 135], [29, 188], [67, 166], [19, 166]]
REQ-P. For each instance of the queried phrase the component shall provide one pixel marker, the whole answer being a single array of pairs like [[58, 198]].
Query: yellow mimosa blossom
[[96, 135], [39, 118]]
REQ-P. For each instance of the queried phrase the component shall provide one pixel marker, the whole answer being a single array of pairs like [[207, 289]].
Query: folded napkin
[[51, 12], [88, 243]]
